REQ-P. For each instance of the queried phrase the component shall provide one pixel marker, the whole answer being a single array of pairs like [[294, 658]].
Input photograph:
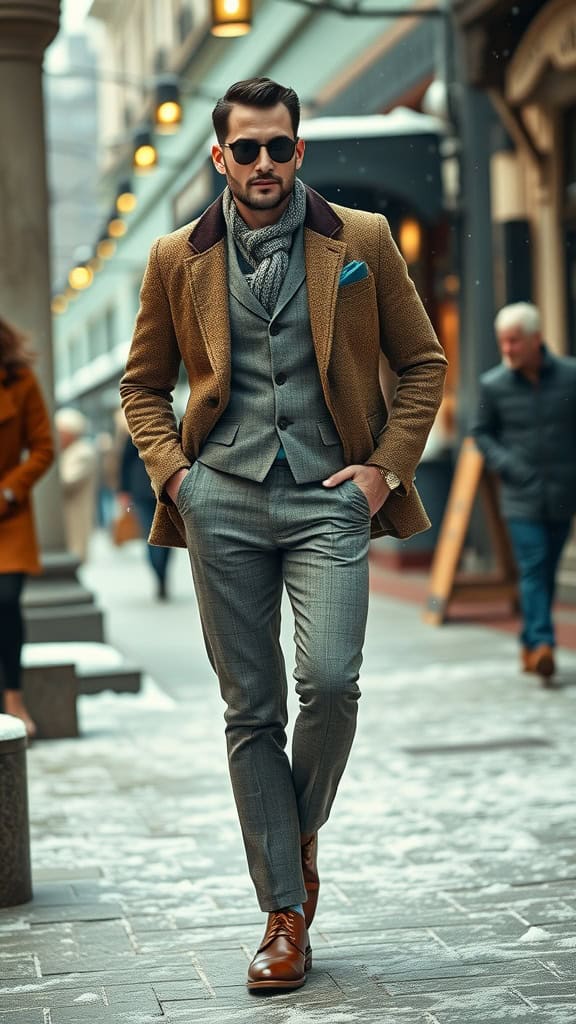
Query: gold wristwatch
[[390, 479]]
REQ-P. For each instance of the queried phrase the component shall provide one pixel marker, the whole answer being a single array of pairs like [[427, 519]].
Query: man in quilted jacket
[[526, 428]]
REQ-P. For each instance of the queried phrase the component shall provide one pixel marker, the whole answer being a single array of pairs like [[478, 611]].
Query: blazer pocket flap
[[328, 432], [223, 433], [376, 422]]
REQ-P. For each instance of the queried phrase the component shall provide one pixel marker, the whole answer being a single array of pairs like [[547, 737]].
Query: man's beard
[[262, 202]]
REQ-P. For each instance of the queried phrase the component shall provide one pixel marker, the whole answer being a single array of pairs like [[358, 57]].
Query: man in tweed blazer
[[286, 461]]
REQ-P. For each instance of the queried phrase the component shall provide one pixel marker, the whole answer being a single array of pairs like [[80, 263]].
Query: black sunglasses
[[246, 151]]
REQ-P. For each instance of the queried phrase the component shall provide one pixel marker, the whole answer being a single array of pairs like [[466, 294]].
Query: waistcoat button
[[280, 378], [275, 329], [283, 423]]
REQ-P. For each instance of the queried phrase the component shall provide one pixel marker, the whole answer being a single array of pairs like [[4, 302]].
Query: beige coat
[[78, 465], [184, 316]]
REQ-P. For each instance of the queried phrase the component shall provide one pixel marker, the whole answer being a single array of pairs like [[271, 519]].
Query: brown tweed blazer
[[183, 316]]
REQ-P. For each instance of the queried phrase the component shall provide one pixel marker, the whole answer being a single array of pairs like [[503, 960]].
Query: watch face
[[8, 494]]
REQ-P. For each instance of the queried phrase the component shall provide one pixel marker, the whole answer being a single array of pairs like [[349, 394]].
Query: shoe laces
[[282, 924]]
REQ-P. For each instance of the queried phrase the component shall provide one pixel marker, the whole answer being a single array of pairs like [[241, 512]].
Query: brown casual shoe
[[311, 879], [525, 659], [542, 661], [284, 955]]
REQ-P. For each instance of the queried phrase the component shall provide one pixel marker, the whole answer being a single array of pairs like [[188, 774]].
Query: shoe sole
[[278, 985]]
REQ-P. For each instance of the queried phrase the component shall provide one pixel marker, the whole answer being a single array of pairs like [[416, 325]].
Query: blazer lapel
[[239, 287], [324, 259], [208, 280]]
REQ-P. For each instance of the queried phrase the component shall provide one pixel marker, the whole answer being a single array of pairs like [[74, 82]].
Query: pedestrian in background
[[136, 492], [26, 451], [279, 304], [526, 428], [78, 465], [107, 478]]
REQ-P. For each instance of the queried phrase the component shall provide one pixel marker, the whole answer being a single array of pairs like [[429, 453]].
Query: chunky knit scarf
[[267, 249]]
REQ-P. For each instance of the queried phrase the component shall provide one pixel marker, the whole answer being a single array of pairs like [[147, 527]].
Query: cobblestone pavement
[[448, 868]]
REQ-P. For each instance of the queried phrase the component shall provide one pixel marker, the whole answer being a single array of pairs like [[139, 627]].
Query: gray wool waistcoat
[[276, 397]]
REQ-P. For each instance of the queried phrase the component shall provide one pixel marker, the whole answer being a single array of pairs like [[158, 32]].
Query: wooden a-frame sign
[[471, 478]]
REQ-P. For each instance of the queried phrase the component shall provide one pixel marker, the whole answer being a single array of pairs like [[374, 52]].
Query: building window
[[77, 353], [96, 338], [110, 329], [185, 22]]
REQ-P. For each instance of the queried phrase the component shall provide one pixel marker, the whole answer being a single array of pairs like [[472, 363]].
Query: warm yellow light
[[145, 157], [168, 115], [451, 284], [231, 17], [237, 28], [105, 249], [80, 277], [59, 305], [117, 228], [410, 239], [126, 202]]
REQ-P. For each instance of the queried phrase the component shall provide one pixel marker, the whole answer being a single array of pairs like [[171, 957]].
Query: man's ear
[[300, 147], [218, 159]]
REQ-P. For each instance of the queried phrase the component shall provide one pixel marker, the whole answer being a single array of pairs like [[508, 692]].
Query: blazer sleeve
[[415, 355], [37, 441], [149, 381]]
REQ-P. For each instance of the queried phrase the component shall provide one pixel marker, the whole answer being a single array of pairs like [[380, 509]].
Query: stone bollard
[[15, 873]]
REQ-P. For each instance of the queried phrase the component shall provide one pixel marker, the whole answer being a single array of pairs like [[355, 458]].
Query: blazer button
[[280, 378], [275, 329], [283, 423], [212, 402]]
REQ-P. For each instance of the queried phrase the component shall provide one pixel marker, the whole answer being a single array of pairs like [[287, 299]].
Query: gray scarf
[[267, 249]]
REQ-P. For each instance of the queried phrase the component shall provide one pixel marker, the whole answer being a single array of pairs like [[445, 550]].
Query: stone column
[[26, 29], [57, 607]]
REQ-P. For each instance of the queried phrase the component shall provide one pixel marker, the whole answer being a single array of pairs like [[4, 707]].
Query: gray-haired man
[[526, 428]]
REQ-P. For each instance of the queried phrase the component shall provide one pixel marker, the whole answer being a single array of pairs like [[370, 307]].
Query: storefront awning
[[396, 155]]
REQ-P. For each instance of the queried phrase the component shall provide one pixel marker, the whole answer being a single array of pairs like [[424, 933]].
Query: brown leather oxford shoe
[[311, 879], [284, 954]]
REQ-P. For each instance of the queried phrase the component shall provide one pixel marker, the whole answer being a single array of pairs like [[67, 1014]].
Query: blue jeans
[[537, 548]]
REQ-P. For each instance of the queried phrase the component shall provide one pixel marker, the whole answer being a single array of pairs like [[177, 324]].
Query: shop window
[[570, 222], [570, 159]]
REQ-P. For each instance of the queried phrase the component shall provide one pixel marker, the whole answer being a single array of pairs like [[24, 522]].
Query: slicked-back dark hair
[[254, 92]]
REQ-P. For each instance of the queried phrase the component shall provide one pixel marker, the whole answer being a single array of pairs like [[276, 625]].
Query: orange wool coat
[[26, 451], [184, 316]]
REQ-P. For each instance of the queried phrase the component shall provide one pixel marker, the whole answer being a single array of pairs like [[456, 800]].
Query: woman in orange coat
[[26, 451]]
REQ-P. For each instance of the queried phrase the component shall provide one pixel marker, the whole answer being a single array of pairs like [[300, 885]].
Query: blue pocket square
[[354, 271]]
